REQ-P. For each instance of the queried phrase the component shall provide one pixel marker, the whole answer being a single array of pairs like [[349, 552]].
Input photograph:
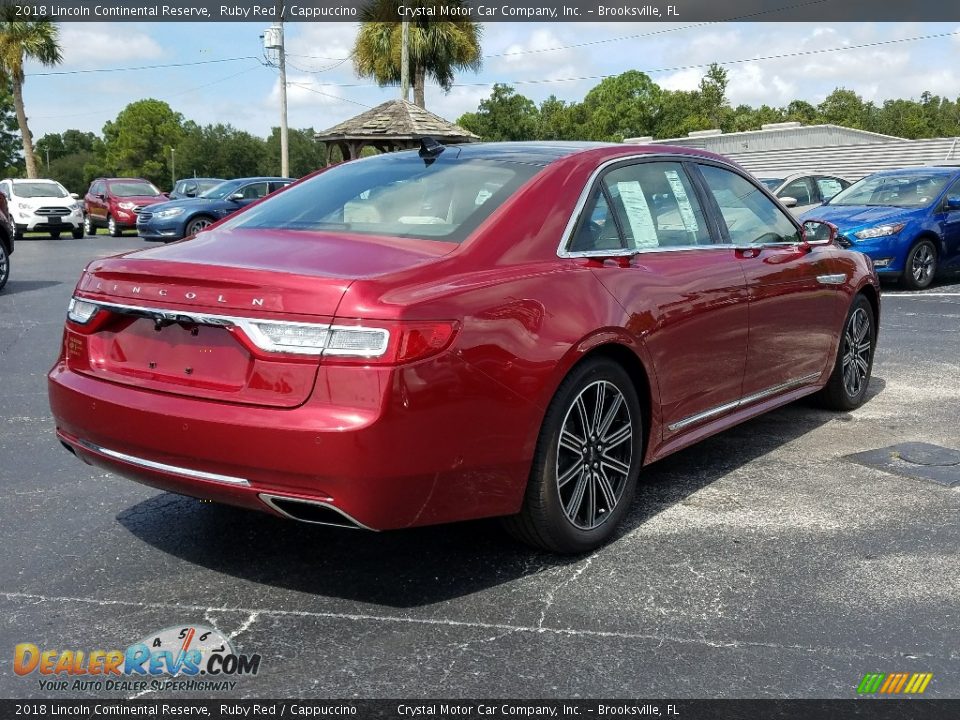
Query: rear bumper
[[379, 463]]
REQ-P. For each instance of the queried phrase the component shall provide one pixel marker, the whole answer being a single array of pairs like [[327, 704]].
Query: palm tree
[[438, 48], [21, 40]]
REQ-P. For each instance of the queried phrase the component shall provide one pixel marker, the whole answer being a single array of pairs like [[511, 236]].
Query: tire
[[18, 234], [578, 492], [921, 266], [77, 233], [4, 265], [88, 227], [55, 234], [112, 228], [197, 224], [847, 387]]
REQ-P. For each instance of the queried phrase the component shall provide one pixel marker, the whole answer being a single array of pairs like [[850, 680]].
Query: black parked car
[[6, 241]]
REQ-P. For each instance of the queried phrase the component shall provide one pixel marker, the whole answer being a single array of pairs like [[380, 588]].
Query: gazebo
[[394, 125]]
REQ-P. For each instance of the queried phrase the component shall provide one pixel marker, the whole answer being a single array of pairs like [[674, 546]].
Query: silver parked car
[[801, 191]]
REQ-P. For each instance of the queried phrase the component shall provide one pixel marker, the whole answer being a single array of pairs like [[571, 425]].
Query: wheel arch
[[643, 381], [927, 234], [870, 292]]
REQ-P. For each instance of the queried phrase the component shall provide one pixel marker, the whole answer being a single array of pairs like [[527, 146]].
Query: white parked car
[[801, 191], [43, 206]]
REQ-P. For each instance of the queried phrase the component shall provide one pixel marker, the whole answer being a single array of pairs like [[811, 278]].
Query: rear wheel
[[112, 228], [587, 461], [921, 266], [88, 227], [847, 387]]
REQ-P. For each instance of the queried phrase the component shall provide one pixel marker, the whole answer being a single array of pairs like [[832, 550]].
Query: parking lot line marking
[[473, 624], [920, 294]]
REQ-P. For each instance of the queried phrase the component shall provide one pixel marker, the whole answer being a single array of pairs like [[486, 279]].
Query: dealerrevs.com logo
[[191, 657]]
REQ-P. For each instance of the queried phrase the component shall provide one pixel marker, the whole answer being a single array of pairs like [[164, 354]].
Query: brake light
[[404, 342]]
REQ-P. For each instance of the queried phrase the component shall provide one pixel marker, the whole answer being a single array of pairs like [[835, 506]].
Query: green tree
[[10, 146], [138, 142], [438, 48], [713, 97], [626, 105], [219, 151], [25, 40], [505, 115], [306, 154]]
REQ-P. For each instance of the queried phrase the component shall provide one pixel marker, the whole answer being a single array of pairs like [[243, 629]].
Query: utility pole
[[284, 146], [173, 167], [405, 60]]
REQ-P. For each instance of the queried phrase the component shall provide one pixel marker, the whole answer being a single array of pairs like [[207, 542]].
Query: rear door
[[795, 298], [950, 229], [685, 295]]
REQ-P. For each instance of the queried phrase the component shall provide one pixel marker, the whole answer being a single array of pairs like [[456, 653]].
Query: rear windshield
[[36, 190], [133, 189], [907, 190], [397, 195]]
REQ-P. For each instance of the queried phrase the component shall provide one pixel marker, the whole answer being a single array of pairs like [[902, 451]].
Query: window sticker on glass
[[638, 214], [683, 202]]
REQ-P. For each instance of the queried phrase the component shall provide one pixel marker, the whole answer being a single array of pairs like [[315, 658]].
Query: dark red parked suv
[[510, 329], [113, 203]]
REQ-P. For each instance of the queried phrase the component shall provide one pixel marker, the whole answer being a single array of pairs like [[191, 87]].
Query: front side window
[[394, 195], [750, 216], [254, 191], [800, 190]]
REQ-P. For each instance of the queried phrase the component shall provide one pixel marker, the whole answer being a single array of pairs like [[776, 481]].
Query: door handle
[[747, 252]]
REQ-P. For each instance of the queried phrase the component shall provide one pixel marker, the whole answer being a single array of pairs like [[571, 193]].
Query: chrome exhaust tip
[[313, 512]]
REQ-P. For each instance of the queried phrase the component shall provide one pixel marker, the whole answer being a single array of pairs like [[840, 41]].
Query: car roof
[[922, 170], [258, 177]]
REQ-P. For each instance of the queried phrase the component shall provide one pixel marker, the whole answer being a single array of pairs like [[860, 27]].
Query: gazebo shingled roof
[[394, 125]]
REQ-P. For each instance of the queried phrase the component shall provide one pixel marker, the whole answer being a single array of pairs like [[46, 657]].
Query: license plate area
[[203, 356]]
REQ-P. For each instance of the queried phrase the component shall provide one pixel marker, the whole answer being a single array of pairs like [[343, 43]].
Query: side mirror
[[819, 232], [75, 196], [236, 197], [190, 193], [788, 201], [953, 202], [101, 196]]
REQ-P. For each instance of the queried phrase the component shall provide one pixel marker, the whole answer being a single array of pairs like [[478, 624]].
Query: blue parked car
[[907, 221], [182, 218]]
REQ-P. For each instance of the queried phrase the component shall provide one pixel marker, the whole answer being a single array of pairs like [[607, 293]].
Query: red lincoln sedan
[[484, 330]]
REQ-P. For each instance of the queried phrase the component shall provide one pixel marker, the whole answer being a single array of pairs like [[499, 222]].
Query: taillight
[[403, 342]]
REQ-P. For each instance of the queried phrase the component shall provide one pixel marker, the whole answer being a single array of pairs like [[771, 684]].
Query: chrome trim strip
[[748, 400], [719, 410], [249, 327], [162, 467], [835, 279], [268, 499]]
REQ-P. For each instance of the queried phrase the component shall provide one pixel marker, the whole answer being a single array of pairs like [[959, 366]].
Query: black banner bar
[[867, 709], [667, 11]]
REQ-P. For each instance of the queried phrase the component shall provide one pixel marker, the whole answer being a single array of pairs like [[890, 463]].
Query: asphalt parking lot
[[760, 563]]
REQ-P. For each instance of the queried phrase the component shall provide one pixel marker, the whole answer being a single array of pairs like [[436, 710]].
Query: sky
[[538, 59]]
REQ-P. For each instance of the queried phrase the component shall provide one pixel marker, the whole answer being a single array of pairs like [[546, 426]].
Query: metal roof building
[[783, 148]]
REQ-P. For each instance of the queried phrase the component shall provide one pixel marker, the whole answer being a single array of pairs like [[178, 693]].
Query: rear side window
[[398, 196], [750, 216], [830, 186], [651, 205]]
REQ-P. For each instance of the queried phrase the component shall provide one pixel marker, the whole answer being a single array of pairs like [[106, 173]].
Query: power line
[[737, 61], [141, 67]]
